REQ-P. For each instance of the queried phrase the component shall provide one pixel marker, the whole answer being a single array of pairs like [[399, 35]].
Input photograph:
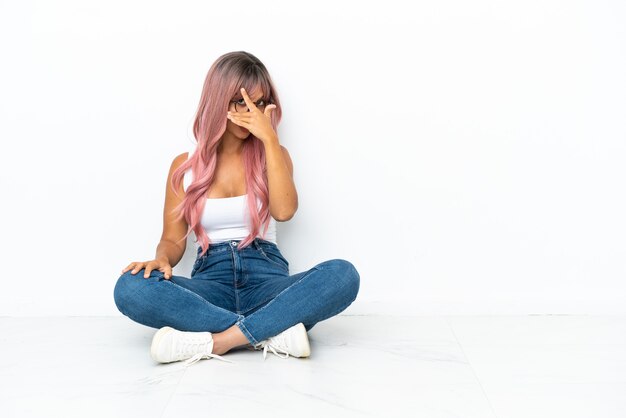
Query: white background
[[466, 157]]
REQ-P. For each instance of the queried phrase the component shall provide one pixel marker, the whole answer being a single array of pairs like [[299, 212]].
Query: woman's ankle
[[228, 339], [219, 346]]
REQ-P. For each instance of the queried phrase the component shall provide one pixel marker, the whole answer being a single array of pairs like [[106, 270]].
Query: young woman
[[230, 189]]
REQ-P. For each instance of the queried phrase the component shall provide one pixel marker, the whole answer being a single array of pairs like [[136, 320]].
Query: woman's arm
[[282, 190], [173, 231]]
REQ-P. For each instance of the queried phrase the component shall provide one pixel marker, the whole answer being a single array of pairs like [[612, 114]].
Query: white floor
[[369, 366]]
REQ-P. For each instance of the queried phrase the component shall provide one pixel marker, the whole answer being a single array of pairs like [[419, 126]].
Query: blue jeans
[[249, 287]]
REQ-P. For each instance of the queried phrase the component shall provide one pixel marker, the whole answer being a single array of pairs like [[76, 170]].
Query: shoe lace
[[275, 343], [200, 356], [201, 349]]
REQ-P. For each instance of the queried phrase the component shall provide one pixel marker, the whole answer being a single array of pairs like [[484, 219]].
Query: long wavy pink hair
[[222, 84]]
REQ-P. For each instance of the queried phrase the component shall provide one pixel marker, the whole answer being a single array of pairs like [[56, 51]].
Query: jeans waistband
[[224, 245]]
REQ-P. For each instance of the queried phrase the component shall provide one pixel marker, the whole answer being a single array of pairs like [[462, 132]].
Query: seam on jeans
[[272, 261], [245, 331], [284, 290], [232, 259]]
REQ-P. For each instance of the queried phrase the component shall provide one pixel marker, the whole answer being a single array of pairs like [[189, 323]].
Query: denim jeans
[[249, 287]]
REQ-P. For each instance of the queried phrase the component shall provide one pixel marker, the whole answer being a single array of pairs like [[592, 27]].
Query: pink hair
[[226, 76]]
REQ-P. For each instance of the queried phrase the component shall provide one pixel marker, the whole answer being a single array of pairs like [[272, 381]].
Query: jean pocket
[[274, 256]]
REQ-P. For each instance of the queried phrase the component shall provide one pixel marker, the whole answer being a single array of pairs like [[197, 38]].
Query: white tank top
[[224, 219]]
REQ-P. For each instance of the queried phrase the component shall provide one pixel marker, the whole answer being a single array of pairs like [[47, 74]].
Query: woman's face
[[233, 128]]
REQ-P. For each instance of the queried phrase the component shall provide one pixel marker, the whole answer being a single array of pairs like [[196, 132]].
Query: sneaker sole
[[156, 340]]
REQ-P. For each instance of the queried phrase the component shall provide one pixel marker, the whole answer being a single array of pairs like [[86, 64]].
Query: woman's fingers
[[149, 266], [127, 267], [137, 266]]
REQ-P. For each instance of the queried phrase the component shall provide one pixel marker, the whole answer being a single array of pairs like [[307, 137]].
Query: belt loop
[[256, 244]]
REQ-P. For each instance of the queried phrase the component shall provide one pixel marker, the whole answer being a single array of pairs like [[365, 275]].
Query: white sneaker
[[169, 344], [293, 341]]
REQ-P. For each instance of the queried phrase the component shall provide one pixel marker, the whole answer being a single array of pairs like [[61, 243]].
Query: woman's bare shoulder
[[178, 160]]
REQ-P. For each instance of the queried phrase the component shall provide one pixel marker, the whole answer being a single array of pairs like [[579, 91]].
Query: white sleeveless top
[[224, 219]]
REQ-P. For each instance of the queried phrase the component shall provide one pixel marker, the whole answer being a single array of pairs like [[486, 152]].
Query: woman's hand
[[257, 122], [158, 264]]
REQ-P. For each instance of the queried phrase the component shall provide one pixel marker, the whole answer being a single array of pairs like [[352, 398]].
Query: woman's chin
[[241, 135]]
